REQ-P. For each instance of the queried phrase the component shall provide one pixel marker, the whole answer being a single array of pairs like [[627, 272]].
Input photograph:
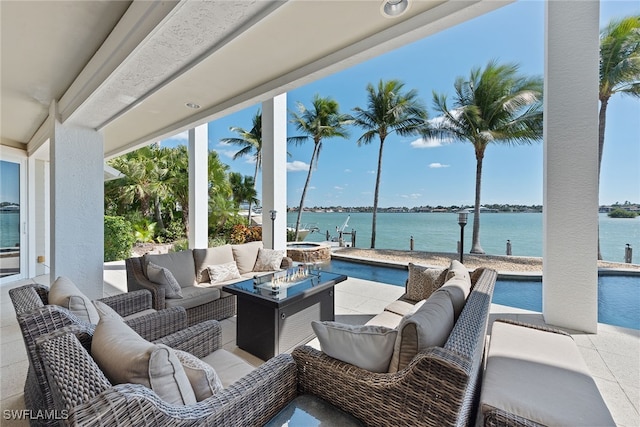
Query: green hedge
[[118, 238]]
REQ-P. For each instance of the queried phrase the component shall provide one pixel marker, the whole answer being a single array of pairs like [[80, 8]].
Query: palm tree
[[619, 70], [494, 105], [323, 120], [244, 190], [388, 110], [251, 143]]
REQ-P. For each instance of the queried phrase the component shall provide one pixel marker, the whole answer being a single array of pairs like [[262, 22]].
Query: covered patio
[[104, 78]]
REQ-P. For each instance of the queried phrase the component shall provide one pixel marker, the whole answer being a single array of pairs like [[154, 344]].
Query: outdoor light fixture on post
[[463, 214], [273, 228]]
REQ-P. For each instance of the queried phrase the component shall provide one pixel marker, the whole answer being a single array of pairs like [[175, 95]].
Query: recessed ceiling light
[[394, 8], [192, 105]]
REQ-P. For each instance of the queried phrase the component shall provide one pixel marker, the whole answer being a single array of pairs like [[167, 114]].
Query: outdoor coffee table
[[276, 319]]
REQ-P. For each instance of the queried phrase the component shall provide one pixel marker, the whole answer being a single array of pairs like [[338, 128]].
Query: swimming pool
[[618, 296]]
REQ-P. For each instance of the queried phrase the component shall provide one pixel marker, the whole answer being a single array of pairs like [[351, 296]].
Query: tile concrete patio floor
[[613, 354]]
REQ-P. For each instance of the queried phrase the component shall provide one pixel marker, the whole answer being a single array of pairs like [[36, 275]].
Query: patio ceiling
[[129, 68]]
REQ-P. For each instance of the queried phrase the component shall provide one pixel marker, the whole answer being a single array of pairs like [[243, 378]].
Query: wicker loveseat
[[440, 386], [203, 298], [84, 396], [37, 317]]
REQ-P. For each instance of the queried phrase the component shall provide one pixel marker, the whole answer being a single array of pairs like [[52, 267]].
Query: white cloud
[[411, 196], [337, 187], [371, 172], [182, 136], [226, 153], [437, 165], [347, 170], [431, 142], [297, 166]]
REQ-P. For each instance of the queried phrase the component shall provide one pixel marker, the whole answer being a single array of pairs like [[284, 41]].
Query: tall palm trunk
[[375, 196], [185, 218], [602, 121], [475, 243], [306, 185], [255, 178], [158, 214]]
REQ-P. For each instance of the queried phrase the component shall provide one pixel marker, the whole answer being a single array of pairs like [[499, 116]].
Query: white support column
[[77, 206], [39, 203], [198, 187], [570, 271], [274, 171]]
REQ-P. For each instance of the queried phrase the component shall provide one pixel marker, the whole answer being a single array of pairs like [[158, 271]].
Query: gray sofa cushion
[[246, 255], [65, 293], [126, 357], [180, 264], [429, 326], [193, 296], [163, 277], [366, 346], [210, 256]]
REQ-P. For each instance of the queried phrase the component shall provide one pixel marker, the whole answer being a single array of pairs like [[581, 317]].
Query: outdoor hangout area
[[167, 253], [342, 351]]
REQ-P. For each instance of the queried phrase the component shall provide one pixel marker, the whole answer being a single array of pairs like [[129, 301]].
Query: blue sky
[[9, 182], [415, 174]]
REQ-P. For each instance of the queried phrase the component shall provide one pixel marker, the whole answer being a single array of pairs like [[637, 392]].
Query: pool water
[[618, 296]]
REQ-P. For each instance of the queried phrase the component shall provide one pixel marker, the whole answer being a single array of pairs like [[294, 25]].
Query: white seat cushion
[[386, 318], [540, 376], [229, 367]]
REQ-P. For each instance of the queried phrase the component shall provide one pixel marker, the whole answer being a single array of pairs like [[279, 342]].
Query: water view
[[618, 296], [440, 232]]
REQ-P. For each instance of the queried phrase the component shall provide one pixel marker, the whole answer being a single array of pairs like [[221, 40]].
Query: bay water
[[440, 232], [9, 229]]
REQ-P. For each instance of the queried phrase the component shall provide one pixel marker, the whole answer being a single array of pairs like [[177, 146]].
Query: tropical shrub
[[180, 245], [118, 238], [621, 213], [243, 234], [144, 231]]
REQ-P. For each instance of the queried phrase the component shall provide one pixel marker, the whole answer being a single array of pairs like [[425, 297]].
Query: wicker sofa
[[440, 386], [36, 317], [83, 393], [202, 299]]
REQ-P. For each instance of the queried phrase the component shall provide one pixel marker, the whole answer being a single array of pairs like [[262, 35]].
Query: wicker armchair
[[440, 387], [84, 396], [35, 318]]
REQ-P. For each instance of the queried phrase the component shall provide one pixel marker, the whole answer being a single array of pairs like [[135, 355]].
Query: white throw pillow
[[203, 378], [269, 260], [162, 276], [222, 272], [126, 357], [65, 293], [105, 311], [368, 347]]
